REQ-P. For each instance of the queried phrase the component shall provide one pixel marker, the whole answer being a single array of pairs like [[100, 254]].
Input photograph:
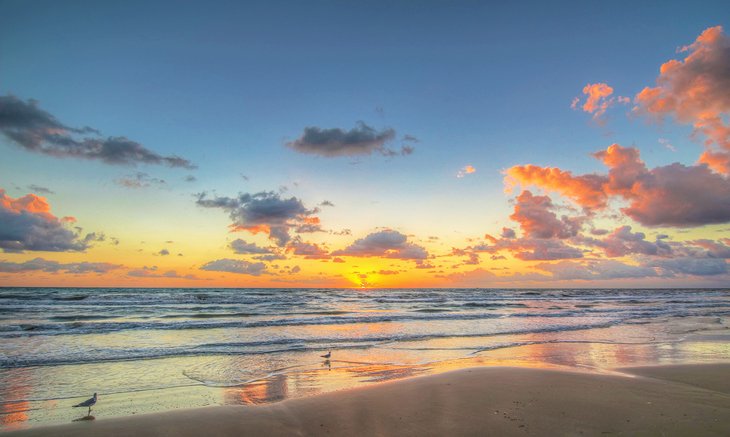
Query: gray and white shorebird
[[87, 403], [327, 355]]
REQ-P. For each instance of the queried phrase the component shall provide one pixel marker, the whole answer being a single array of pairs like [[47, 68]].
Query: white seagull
[[87, 403], [327, 355]]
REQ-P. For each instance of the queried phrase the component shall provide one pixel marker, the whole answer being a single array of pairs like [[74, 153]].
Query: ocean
[[147, 350]]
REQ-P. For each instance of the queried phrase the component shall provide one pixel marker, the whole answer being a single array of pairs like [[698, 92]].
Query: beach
[[658, 400]]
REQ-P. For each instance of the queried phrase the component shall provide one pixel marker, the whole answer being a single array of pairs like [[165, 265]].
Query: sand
[[501, 401]]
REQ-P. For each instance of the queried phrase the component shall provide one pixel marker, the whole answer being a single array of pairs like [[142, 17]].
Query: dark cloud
[[508, 233], [622, 242], [163, 252], [386, 244], [264, 212], [36, 130], [242, 247], [190, 178], [26, 223], [235, 266], [595, 270], [139, 180], [715, 249], [307, 250], [691, 266], [40, 264], [360, 140]]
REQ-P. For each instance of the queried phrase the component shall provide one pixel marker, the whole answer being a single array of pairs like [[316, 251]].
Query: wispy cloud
[[235, 266], [44, 265], [466, 170]]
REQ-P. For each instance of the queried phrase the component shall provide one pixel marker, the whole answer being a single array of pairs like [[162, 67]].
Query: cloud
[[622, 242], [40, 264], [360, 140], [537, 219], [543, 233], [696, 90], [467, 169], [235, 266], [307, 250], [36, 130], [40, 189], [385, 244], [265, 212], [542, 250], [508, 233], [691, 266], [270, 257], [672, 195], [163, 252], [242, 247], [586, 190], [598, 100], [139, 180], [595, 270], [151, 272], [714, 249], [26, 223]]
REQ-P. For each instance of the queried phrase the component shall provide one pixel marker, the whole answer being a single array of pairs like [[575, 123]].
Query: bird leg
[[89, 414]]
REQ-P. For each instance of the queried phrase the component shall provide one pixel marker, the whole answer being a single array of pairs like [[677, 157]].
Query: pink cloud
[[672, 195], [696, 90], [537, 219]]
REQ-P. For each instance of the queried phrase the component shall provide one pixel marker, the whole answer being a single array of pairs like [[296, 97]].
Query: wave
[[298, 345], [76, 326]]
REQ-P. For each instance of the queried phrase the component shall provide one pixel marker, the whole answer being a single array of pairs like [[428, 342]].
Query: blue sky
[[227, 84]]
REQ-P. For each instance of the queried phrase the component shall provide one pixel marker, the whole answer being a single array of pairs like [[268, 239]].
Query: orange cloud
[[672, 195], [28, 203], [468, 169], [597, 94], [599, 100], [586, 190]]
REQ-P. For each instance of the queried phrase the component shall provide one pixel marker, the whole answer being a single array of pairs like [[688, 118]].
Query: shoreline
[[651, 400]]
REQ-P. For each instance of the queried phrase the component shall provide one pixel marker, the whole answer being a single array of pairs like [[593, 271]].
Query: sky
[[368, 144]]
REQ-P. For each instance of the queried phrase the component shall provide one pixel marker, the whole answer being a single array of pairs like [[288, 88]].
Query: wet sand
[[505, 401]]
